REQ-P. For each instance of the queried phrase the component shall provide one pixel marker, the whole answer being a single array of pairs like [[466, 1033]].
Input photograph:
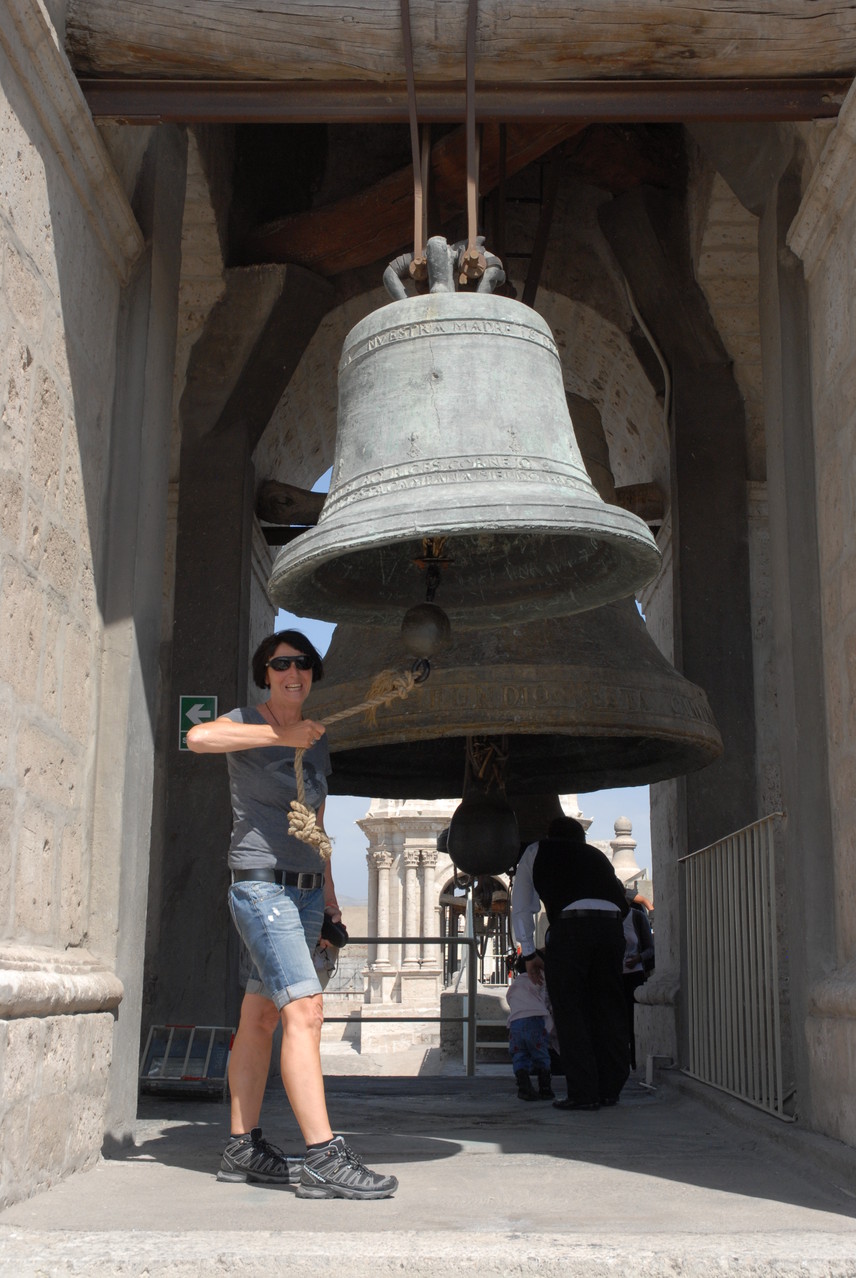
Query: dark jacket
[[564, 872]]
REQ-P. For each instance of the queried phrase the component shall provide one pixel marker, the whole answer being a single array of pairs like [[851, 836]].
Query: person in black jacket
[[583, 957]]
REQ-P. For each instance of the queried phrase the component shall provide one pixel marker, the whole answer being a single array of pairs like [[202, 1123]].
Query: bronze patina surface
[[453, 424], [587, 702]]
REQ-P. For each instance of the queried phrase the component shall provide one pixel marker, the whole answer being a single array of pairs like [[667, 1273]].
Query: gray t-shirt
[[262, 784]]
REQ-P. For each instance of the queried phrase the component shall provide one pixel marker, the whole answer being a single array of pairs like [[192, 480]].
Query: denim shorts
[[280, 927]]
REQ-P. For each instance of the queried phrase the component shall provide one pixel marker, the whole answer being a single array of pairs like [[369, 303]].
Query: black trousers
[[631, 982], [583, 962]]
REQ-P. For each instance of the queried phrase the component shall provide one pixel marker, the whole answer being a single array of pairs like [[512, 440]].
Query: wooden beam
[[531, 41], [280, 503], [163, 101], [377, 223]]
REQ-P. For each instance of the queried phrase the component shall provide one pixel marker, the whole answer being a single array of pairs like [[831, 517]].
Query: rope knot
[[303, 825]]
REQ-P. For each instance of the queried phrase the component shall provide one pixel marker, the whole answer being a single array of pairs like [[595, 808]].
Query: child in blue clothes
[[529, 1026]]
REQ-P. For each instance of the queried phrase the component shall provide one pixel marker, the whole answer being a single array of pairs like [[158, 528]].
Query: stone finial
[[623, 851]]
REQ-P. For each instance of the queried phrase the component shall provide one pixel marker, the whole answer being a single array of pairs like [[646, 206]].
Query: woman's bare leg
[[301, 1067], [249, 1064]]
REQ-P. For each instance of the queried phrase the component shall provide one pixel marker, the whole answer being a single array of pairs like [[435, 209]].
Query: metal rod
[[139, 101], [472, 157], [468, 1020], [418, 191], [472, 991]]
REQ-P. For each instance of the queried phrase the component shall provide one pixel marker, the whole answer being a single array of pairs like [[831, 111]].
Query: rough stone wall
[[824, 237], [62, 256]]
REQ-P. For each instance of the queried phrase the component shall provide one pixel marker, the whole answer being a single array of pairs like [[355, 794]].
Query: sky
[[342, 811]]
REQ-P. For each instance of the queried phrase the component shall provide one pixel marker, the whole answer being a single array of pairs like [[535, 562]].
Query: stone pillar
[[238, 370], [371, 914], [383, 863], [431, 954], [807, 259], [712, 616], [411, 907], [382, 976], [395, 843], [132, 601]]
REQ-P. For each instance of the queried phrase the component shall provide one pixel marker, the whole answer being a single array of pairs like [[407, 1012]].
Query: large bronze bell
[[455, 451], [588, 702]]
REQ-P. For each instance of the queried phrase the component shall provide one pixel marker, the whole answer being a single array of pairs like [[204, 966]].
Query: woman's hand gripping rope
[[388, 686]]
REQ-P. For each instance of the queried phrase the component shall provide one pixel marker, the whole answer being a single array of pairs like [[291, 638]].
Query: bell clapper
[[425, 627]]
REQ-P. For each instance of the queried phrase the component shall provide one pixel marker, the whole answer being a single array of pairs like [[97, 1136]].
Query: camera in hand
[[335, 933]]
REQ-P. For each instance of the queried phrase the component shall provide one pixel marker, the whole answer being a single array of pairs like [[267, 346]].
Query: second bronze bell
[[587, 702]]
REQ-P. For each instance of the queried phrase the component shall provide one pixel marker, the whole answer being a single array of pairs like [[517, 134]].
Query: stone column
[[383, 863], [411, 907], [238, 370], [648, 231], [431, 954], [131, 601], [806, 255], [371, 919]]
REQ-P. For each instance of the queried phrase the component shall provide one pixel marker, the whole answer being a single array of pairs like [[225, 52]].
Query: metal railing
[[468, 1020], [734, 1003]]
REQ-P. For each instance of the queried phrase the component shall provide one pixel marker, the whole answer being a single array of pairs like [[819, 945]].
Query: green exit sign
[[193, 710]]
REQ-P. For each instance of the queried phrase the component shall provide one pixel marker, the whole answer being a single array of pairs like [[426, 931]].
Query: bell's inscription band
[[447, 328], [578, 696], [456, 470], [583, 701]]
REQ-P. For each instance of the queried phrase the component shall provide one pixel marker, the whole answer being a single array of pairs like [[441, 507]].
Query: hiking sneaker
[[336, 1172], [251, 1158]]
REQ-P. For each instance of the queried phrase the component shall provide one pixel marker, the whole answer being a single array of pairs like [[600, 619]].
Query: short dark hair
[[565, 827], [269, 645]]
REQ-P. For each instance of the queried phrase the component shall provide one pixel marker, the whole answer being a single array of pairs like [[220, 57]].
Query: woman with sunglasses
[[280, 889]]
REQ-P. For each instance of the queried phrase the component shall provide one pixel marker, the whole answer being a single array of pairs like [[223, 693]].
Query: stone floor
[[673, 1181]]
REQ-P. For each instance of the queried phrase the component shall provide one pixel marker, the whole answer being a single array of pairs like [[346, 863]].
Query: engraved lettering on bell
[[455, 328], [477, 380]]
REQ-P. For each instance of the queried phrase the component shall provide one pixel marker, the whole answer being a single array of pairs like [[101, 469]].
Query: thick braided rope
[[388, 686]]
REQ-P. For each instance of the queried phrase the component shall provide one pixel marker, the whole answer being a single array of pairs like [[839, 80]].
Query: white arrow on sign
[[197, 713]]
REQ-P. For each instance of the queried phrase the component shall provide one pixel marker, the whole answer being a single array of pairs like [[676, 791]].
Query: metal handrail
[[469, 1017]]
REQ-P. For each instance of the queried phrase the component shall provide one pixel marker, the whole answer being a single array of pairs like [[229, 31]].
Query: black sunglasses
[[285, 663]]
